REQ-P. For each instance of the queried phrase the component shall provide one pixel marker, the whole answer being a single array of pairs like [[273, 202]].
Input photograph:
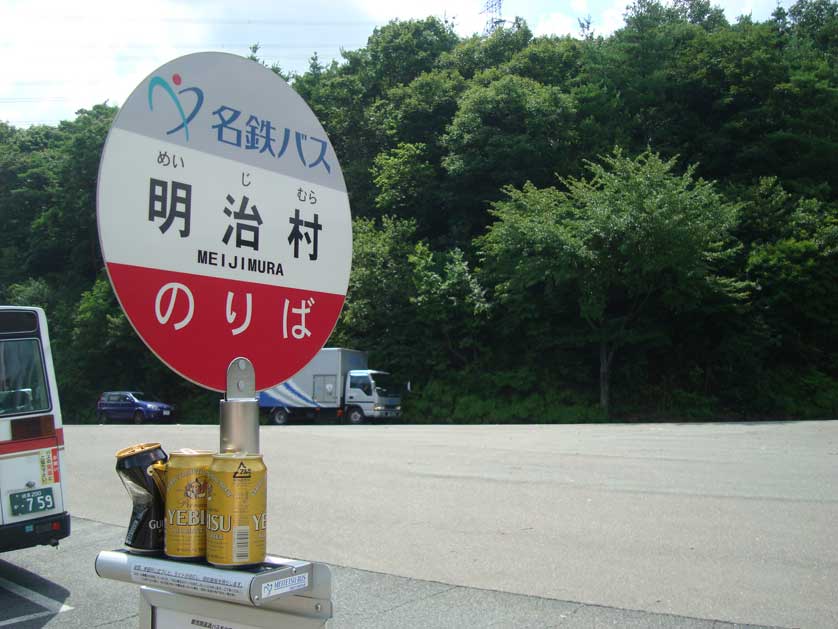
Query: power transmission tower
[[493, 10]]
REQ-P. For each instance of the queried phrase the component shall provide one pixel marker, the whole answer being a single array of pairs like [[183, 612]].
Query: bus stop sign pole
[[240, 410]]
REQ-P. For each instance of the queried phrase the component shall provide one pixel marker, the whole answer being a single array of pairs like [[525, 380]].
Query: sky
[[59, 56]]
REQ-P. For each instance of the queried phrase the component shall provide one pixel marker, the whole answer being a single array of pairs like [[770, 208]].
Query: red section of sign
[[197, 325]]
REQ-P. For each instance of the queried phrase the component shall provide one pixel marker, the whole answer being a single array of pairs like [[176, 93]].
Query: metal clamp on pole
[[240, 409]]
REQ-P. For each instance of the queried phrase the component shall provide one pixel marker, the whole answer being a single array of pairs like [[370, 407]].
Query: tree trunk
[[605, 358]]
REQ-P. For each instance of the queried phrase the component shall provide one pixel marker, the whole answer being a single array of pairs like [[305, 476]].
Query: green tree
[[401, 51], [508, 131], [505, 132], [451, 309], [795, 267], [550, 60], [476, 53], [411, 121], [633, 237], [70, 226], [627, 259], [378, 315], [105, 350], [419, 112], [817, 21], [32, 292], [337, 96], [408, 186], [28, 188], [580, 69], [344, 96]]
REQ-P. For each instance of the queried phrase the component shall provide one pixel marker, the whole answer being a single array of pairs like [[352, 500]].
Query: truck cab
[[374, 393]]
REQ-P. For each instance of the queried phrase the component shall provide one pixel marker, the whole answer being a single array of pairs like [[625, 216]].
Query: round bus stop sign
[[224, 220]]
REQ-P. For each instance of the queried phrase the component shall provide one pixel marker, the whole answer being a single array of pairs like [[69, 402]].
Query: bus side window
[[22, 374], [6, 402], [23, 400]]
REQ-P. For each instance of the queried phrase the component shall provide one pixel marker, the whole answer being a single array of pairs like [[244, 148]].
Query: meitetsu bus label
[[224, 220]]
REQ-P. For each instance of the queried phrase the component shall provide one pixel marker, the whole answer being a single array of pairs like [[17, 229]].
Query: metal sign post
[[240, 410], [225, 228]]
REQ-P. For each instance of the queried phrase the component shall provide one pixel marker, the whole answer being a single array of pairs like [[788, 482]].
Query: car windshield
[[385, 384], [145, 397]]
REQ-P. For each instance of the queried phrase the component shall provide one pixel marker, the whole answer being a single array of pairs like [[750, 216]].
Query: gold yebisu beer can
[[184, 480], [236, 510]]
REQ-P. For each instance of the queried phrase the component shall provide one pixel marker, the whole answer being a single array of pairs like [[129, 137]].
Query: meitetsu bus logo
[[163, 85]]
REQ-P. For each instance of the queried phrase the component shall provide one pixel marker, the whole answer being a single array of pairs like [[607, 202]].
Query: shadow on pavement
[[28, 600]]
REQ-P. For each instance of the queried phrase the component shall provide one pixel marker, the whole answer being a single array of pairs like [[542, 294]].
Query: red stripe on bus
[[24, 445], [59, 436]]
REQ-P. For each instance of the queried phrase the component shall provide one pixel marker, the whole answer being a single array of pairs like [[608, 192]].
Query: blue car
[[133, 406]]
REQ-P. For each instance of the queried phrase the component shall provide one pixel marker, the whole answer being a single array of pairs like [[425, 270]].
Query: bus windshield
[[22, 380]]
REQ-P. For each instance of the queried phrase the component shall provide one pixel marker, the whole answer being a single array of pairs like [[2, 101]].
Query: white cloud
[[579, 7], [610, 18], [465, 13], [557, 24], [760, 9], [62, 57]]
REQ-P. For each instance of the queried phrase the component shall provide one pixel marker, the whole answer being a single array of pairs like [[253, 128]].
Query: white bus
[[32, 506]]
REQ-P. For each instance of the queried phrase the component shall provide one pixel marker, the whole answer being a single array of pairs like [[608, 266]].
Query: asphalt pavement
[[655, 525], [47, 587]]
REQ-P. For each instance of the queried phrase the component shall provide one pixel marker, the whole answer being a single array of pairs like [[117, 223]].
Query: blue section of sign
[[234, 108]]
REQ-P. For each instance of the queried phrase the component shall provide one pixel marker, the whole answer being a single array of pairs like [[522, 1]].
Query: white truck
[[336, 383]]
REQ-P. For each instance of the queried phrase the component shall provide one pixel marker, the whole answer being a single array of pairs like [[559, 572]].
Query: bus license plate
[[32, 501]]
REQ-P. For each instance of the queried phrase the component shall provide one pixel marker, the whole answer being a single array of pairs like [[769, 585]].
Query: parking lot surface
[[656, 525]]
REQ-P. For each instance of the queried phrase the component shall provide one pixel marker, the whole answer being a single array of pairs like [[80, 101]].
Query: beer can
[[133, 466], [236, 510], [186, 503]]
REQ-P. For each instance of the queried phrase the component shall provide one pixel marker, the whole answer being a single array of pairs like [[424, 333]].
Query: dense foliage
[[547, 229]]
